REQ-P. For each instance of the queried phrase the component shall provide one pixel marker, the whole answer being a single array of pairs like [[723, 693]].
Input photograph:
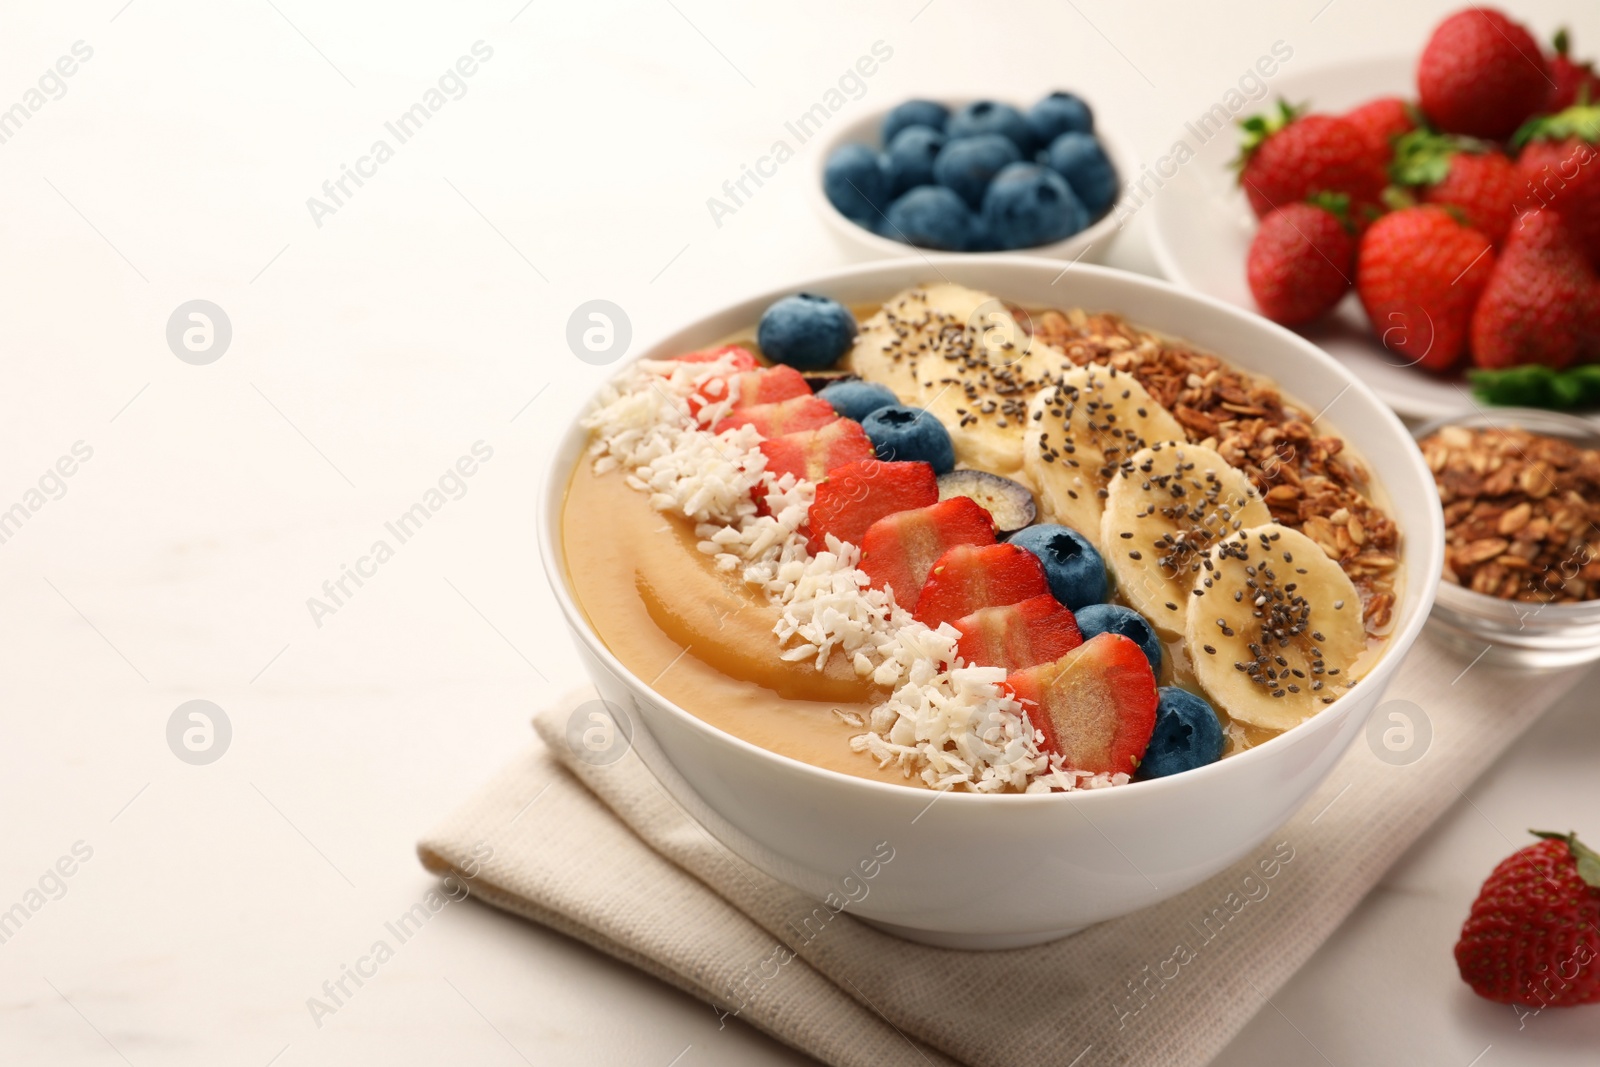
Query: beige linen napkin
[[603, 855]]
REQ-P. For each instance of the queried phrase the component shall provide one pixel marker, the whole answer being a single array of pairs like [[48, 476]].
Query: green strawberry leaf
[[1586, 858], [1257, 128], [1335, 204], [1537, 386], [1581, 120], [1562, 42], [1423, 157], [1397, 199]]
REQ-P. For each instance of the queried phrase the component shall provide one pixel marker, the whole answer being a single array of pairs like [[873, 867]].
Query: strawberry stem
[[1587, 859]]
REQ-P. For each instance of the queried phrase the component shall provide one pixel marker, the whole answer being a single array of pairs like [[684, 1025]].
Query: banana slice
[[1276, 628], [1164, 509], [962, 355], [1079, 432]]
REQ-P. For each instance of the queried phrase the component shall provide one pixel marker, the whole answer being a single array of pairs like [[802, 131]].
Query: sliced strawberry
[[811, 454], [852, 498], [765, 385], [1014, 636], [898, 550], [1095, 706], [786, 416], [769, 385], [742, 359], [969, 577]]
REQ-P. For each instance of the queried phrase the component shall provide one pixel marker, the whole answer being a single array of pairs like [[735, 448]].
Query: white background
[[368, 354]]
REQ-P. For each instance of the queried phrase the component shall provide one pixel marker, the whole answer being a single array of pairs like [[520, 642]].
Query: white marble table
[[375, 340]]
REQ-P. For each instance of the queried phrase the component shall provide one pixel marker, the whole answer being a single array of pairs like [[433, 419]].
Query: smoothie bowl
[[1063, 606]]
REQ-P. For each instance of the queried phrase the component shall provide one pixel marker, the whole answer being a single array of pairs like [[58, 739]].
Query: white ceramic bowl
[[1089, 245], [981, 871]]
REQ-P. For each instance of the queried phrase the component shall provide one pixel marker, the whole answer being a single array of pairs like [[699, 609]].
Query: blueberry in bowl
[[908, 161], [1188, 734], [1060, 112], [1072, 566], [967, 165], [1099, 619], [856, 183], [989, 116], [806, 331], [855, 399], [926, 113], [931, 216], [904, 433], [1082, 161], [1010, 503], [1029, 205]]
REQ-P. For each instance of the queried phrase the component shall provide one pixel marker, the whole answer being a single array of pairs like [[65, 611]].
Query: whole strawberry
[[1559, 167], [1419, 272], [1380, 122], [1575, 83], [1542, 303], [1472, 176], [1533, 936], [1481, 74], [1290, 157], [1302, 259]]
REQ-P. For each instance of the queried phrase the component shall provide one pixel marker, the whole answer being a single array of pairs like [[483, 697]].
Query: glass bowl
[[1515, 632]]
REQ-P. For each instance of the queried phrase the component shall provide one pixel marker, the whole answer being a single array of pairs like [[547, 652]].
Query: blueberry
[[914, 113], [1029, 205], [1010, 504], [1099, 619], [1059, 113], [1188, 735], [909, 158], [807, 332], [855, 182], [856, 399], [820, 379], [1079, 158], [902, 433], [930, 216], [987, 116], [1076, 573], [966, 164], [982, 239]]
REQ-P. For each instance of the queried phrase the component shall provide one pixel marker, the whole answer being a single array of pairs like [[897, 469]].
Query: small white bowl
[[1514, 632], [972, 870], [1088, 245]]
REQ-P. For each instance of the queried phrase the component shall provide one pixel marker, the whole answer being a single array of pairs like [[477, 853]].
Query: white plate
[[1201, 226]]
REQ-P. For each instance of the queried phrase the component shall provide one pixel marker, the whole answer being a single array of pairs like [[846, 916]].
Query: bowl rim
[[1428, 543], [1458, 598], [1072, 247]]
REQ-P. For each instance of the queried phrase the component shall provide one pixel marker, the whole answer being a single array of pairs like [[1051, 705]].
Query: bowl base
[[973, 942], [1530, 655]]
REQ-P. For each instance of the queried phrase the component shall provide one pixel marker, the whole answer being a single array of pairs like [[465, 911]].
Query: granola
[[1520, 513], [1307, 480]]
